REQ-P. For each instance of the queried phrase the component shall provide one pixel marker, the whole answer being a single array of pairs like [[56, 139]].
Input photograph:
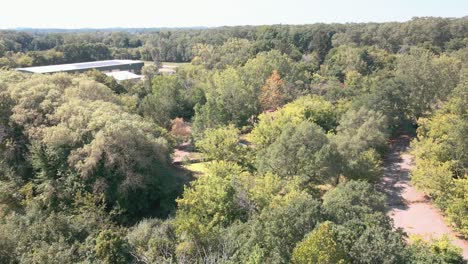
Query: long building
[[120, 76], [133, 66]]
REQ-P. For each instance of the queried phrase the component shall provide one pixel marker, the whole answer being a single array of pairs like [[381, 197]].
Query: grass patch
[[197, 168], [176, 64]]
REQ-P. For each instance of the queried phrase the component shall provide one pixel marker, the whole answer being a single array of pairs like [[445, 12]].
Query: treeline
[[441, 159], [292, 125], [37, 48]]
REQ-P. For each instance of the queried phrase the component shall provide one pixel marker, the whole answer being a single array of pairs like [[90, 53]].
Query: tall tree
[[272, 93]]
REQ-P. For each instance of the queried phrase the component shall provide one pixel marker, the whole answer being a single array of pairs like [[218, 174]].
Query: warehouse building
[[132, 66], [121, 76]]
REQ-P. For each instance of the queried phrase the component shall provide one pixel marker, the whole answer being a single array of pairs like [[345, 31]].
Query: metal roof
[[123, 75], [78, 66]]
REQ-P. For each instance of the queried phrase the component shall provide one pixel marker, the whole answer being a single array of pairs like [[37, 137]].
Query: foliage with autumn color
[[271, 95]]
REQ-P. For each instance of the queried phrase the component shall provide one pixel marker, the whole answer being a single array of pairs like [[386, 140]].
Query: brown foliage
[[180, 128], [271, 94]]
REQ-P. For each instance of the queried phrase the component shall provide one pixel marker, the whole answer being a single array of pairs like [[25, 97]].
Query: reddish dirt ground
[[181, 153], [409, 208]]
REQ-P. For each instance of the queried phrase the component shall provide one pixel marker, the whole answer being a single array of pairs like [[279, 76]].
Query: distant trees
[[233, 52], [47, 57], [321, 43], [238, 44], [257, 70], [155, 55], [204, 54], [429, 79], [85, 52], [2, 49], [345, 59]]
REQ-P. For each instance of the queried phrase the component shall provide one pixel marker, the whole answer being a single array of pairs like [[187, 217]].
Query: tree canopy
[[265, 145]]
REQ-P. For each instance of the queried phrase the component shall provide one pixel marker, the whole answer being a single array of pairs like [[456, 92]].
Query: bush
[[111, 247], [434, 251]]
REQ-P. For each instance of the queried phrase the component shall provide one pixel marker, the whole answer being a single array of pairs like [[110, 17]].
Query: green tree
[[311, 108], [257, 70], [359, 134], [34, 235], [428, 78], [155, 55], [81, 136], [441, 161], [391, 98], [164, 103], [149, 72], [352, 200], [371, 238], [111, 247], [274, 233], [153, 240], [210, 204], [223, 144], [106, 80], [360, 130], [228, 101], [320, 246], [205, 54], [301, 151], [235, 52], [345, 59]]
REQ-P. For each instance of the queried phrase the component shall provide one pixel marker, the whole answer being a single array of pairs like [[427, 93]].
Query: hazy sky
[[185, 13]]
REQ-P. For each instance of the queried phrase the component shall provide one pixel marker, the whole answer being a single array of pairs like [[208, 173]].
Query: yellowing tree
[[271, 94]]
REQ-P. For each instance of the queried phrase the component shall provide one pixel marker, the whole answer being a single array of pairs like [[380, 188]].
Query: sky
[[190, 13]]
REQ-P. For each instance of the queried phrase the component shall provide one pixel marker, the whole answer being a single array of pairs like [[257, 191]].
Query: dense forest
[[292, 124]]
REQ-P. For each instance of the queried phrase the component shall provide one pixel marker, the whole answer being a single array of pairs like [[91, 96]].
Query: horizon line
[[26, 28]]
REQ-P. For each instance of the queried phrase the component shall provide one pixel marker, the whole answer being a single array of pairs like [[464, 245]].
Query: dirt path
[[184, 152], [410, 209]]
